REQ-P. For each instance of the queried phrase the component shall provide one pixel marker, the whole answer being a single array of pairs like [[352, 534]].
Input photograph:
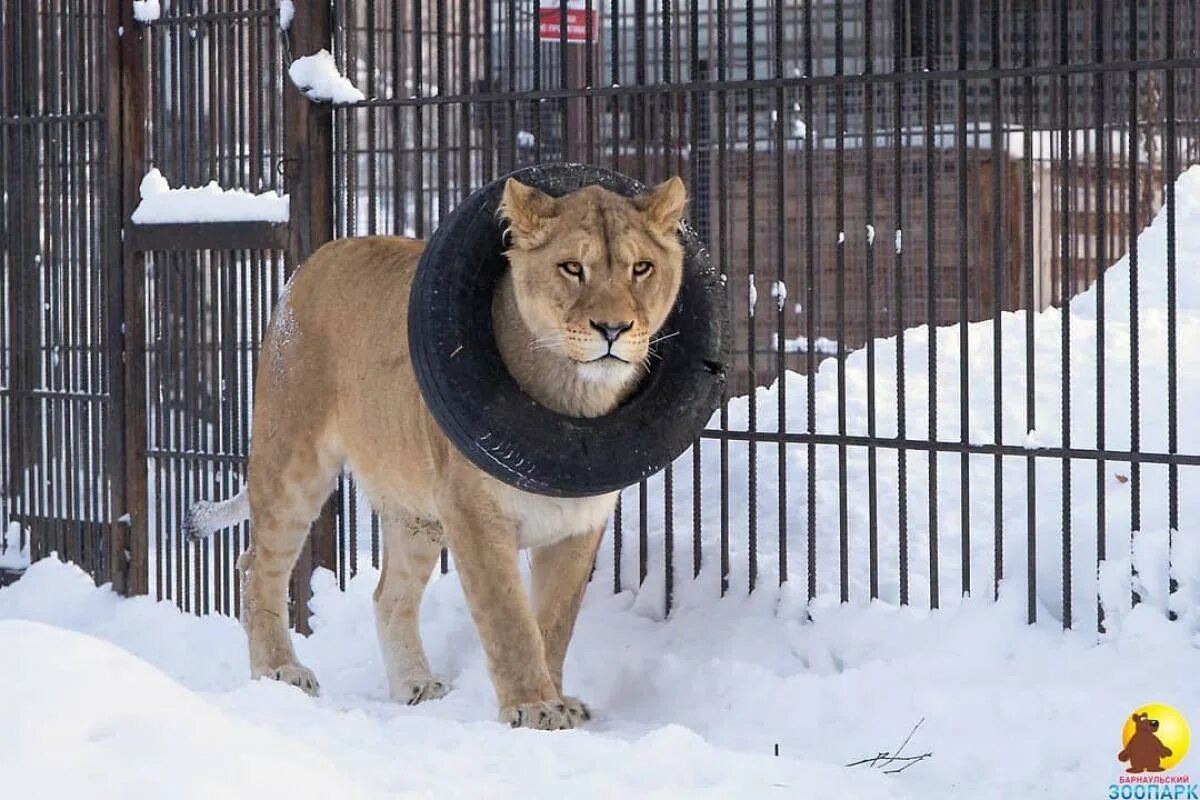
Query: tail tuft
[[205, 518]]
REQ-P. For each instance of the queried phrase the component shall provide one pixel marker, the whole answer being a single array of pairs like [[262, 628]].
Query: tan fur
[[335, 388]]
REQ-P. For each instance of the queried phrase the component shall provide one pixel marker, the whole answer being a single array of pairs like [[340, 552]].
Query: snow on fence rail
[[209, 203]]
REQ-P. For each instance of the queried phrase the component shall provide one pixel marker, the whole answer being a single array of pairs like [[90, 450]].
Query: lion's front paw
[[295, 675], [418, 691], [547, 715], [577, 709]]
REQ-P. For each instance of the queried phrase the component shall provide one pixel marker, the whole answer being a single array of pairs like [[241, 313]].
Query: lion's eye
[[573, 269], [642, 268]]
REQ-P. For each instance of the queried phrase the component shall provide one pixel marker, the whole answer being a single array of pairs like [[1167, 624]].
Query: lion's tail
[[205, 518]]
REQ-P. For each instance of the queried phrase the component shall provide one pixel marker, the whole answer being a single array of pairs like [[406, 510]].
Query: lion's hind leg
[[289, 481], [411, 546]]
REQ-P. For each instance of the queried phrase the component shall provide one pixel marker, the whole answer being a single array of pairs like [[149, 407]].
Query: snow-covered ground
[[103, 696], [110, 697]]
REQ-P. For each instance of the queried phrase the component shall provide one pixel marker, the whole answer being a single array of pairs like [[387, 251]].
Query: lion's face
[[595, 274]]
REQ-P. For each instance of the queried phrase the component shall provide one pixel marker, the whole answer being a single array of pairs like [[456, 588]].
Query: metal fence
[[860, 170]]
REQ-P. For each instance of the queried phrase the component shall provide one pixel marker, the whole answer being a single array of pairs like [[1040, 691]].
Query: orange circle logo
[[1155, 739]]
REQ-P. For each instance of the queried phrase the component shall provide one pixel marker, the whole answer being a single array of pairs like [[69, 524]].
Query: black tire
[[498, 427]]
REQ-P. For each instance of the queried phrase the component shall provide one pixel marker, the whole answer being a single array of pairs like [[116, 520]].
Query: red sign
[[550, 29]]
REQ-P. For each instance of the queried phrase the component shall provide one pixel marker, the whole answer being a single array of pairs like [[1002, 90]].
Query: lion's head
[[595, 274]]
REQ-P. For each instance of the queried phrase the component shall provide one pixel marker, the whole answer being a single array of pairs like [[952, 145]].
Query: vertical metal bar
[[589, 78], [249, 170], [94, 53], [1102, 163], [643, 533], [399, 117], [511, 24], [375, 541], [29, 418], [810, 302], [418, 63], [566, 143], [615, 110], [345, 138], [488, 156], [1030, 309], [964, 349], [464, 32], [77, 432], [8, 269], [1134, 222], [55, 269], [640, 116], [58, 274], [1169, 177], [700, 204], [723, 257], [8, 436], [46, 259], [899, 20], [372, 159], [839, 182], [751, 321], [641, 136], [617, 587], [217, 264], [192, 442], [78, 195], [781, 275], [869, 274], [931, 298], [399, 132], [998, 218], [227, 388], [536, 105], [179, 324], [1066, 272], [668, 472]]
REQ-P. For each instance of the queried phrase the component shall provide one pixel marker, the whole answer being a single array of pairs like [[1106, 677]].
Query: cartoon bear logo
[[1144, 751]]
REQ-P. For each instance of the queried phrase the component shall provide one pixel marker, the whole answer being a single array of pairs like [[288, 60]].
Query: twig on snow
[[885, 758]]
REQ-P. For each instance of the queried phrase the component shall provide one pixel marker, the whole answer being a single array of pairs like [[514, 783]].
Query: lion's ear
[[664, 205], [526, 211]]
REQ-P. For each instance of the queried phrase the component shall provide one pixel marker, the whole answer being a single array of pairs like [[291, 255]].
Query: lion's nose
[[611, 330]]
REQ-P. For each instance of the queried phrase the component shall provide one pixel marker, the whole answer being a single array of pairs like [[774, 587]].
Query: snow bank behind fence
[[970, 349]]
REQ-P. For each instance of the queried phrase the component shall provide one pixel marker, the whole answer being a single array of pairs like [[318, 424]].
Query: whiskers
[[651, 353], [554, 342]]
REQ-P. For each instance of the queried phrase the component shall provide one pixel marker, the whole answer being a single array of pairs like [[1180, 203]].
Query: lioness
[[592, 277]]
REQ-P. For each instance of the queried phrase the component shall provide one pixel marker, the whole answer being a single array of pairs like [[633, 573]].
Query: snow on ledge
[[211, 203], [318, 77], [287, 10], [146, 10]]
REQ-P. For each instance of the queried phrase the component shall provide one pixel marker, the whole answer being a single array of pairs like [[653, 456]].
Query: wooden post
[[308, 150], [128, 550]]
